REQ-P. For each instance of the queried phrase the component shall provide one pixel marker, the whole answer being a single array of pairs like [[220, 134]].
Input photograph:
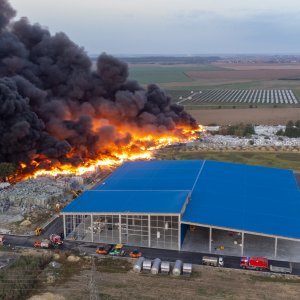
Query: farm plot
[[239, 97]]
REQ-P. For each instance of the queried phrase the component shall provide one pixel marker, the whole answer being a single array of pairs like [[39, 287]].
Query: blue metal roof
[[128, 202], [250, 198], [234, 196], [153, 175]]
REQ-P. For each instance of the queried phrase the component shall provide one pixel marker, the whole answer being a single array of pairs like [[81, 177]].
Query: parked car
[[103, 249], [117, 250], [135, 253]]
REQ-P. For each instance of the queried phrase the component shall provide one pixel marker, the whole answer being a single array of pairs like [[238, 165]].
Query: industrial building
[[159, 203]]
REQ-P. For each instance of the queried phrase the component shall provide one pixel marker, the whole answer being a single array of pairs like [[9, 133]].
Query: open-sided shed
[[152, 203]]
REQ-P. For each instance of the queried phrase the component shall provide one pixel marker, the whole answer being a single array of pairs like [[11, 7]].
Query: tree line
[[292, 130]]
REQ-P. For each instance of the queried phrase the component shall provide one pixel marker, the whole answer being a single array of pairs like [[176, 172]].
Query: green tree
[[7, 170]]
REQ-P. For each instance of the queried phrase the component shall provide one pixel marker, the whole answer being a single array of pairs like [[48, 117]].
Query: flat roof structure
[[153, 175], [247, 198], [228, 196], [159, 202]]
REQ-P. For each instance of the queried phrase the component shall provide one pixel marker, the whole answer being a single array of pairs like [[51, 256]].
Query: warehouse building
[[157, 203]]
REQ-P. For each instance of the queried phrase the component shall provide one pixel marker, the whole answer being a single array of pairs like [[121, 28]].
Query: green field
[[175, 81], [268, 159], [165, 74]]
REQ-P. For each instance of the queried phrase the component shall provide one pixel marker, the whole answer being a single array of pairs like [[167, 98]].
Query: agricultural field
[[229, 93], [258, 74], [239, 97], [266, 116], [160, 74]]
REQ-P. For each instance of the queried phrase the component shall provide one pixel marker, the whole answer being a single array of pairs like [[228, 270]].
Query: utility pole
[[92, 283]]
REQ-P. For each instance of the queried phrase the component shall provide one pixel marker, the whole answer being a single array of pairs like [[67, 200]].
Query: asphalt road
[[149, 253]]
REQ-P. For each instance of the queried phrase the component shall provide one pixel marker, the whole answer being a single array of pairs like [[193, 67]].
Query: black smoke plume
[[50, 99]]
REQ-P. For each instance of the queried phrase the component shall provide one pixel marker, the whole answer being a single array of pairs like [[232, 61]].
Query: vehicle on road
[[46, 244], [117, 250], [280, 269], [55, 240], [213, 261], [2, 240], [135, 253], [103, 249], [38, 231], [254, 263]]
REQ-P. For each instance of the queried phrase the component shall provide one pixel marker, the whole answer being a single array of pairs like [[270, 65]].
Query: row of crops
[[239, 97]]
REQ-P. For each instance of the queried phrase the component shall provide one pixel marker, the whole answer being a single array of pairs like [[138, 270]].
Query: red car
[[103, 249], [254, 263], [135, 253]]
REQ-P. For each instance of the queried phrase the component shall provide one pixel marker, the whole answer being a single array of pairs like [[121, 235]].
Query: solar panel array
[[240, 97]]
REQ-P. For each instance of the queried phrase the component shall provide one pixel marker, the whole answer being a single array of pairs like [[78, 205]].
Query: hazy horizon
[[172, 27]]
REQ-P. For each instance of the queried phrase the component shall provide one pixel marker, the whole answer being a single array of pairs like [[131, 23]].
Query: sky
[[185, 27]]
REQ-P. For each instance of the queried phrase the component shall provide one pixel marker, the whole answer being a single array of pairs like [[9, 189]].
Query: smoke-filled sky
[[172, 26], [55, 109]]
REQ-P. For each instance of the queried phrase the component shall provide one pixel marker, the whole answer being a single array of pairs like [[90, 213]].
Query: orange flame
[[142, 146]]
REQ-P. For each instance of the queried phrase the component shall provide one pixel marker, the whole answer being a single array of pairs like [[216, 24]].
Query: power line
[[92, 283]]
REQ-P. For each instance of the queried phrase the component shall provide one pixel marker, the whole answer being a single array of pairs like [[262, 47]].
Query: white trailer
[[285, 270]]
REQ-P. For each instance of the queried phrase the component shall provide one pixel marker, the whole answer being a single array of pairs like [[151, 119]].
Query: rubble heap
[[40, 192]]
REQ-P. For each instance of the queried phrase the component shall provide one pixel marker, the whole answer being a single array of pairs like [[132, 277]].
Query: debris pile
[[265, 136], [40, 192]]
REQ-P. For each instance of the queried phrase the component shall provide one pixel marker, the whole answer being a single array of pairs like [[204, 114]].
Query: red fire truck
[[254, 263], [55, 240]]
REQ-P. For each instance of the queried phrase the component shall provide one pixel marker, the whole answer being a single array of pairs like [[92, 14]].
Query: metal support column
[[126, 229], [210, 238], [92, 228], [65, 229], [120, 232], [74, 222], [275, 250], [242, 248], [179, 233], [149, 231]]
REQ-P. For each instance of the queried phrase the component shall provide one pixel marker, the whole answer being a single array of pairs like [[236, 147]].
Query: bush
[[280, 132], [238, 130], [292, 130], [22, 276]]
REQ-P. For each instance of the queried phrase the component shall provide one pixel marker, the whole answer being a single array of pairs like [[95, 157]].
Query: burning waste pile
[[58, 116]]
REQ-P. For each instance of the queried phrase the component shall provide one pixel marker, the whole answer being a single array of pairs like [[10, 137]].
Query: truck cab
[[254, 263]]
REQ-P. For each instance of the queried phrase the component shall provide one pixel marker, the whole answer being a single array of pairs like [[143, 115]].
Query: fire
[[141, 147]]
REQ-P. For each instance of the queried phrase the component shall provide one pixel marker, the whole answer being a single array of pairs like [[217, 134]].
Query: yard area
[[205, 283]]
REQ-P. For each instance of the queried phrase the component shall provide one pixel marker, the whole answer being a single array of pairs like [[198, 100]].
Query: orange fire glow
[[141, 147]]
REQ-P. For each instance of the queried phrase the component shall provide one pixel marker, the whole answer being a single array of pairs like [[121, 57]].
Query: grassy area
[[22, 276], [273, 279], [166, 74], [217, 85], [111, 265], [268, 159], [147, 75]]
